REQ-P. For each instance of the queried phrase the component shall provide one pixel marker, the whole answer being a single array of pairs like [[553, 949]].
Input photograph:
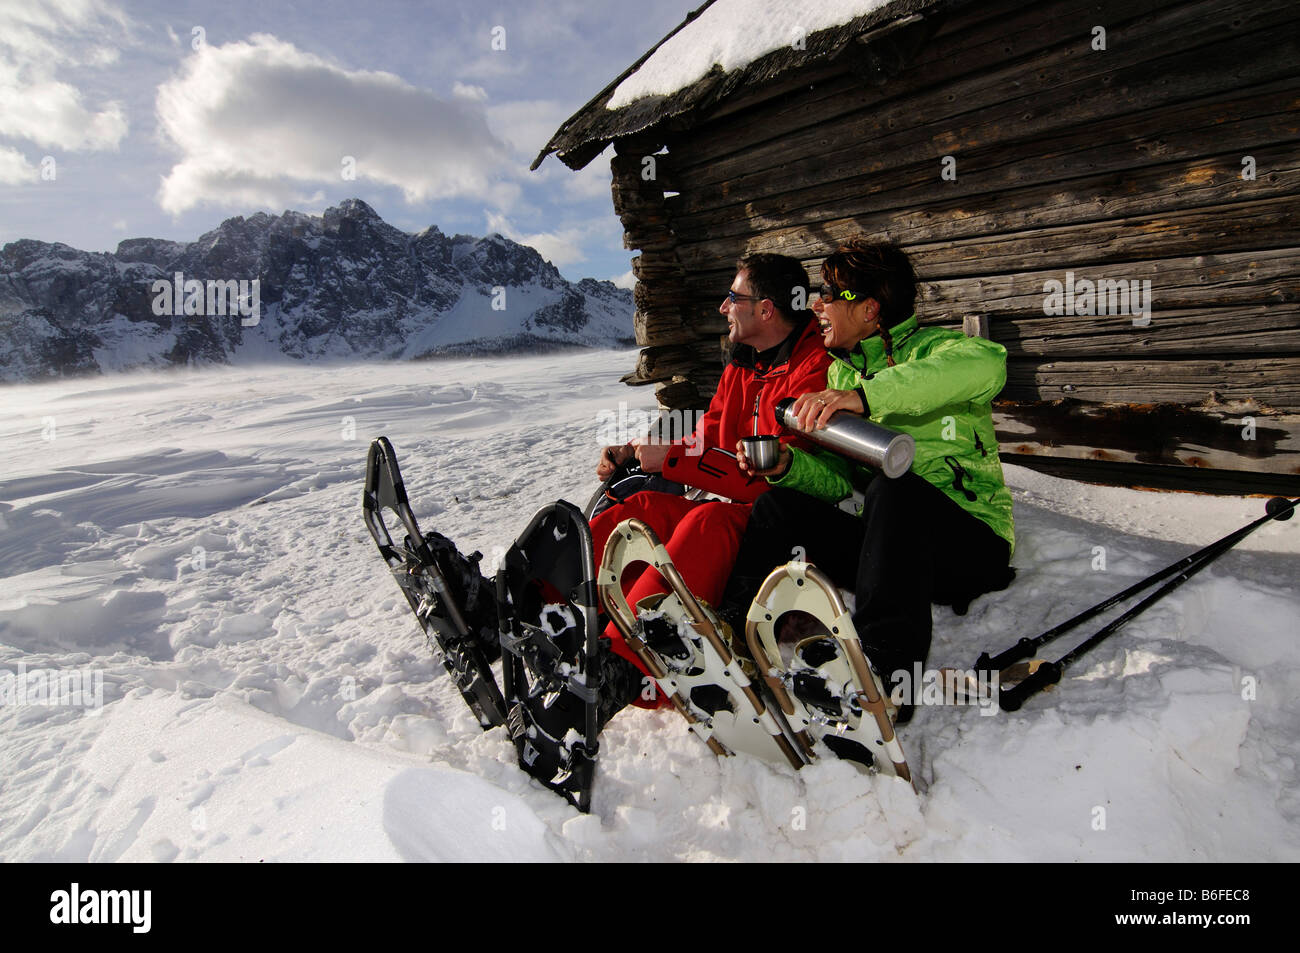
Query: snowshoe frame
[[802, 586], [548, 658], [415, 568], [634, 542]]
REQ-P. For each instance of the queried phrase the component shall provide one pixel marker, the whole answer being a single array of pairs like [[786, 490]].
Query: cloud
[[593, 181], [469, 91], [561, 247], [36, 39], [626, 280], [527, 124], [258, 122], [14, 167]]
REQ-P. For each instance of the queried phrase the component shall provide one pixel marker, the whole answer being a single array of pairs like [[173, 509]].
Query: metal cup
[[763, 450]]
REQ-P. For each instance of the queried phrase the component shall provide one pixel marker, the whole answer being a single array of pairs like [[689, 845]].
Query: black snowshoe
[[546, 598], [448, 595], [541, 608]]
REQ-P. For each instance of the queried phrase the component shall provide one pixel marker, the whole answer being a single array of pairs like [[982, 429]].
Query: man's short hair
[[781, 279], [877, 269]]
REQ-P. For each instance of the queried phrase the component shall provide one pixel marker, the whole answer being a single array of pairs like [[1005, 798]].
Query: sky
[[150, 119]]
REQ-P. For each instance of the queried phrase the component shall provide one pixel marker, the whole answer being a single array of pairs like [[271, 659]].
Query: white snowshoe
[[686, 649], [789, 707], [822, 683]]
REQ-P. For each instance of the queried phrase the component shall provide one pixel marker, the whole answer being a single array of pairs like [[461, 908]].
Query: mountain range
[[342, 285]]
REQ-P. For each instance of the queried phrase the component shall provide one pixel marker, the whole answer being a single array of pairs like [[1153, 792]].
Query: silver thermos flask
[[856, 437]]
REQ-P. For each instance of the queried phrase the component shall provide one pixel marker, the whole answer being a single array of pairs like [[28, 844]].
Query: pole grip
[[1010, 699], [1024, 648]]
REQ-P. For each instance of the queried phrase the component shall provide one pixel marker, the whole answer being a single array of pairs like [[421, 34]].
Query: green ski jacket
[[939, 390]]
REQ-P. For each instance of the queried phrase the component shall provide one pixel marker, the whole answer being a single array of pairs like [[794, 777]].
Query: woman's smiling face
[[844, 323]]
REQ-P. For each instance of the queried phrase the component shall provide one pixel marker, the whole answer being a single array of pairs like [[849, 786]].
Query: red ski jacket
[[753, 384]]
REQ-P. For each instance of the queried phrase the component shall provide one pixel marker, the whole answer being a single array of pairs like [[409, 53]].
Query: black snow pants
[[911, 546]]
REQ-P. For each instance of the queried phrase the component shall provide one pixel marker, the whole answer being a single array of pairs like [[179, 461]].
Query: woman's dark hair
[[783, 280], [877, 269]]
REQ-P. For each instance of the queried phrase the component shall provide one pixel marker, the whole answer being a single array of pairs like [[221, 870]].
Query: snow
[[732, 34], [194, 539]]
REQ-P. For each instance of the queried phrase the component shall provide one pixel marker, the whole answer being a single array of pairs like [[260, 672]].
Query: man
[[941, 533], [776, 353]]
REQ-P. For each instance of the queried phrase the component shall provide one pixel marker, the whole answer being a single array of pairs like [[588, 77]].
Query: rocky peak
[[152, 251], [342, 284]]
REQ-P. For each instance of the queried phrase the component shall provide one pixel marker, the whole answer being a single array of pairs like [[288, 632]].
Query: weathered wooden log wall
[[1128, 162]]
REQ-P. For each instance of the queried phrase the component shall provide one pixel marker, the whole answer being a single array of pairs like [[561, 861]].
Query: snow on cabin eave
[[712, 42], [586, 133]]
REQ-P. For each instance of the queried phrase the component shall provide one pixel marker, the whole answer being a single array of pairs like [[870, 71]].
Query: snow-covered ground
[[188, 546]]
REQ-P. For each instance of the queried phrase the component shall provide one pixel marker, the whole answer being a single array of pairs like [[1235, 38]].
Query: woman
[[940, 533]]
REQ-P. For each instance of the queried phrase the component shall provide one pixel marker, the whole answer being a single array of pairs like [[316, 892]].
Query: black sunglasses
[[830, 294]]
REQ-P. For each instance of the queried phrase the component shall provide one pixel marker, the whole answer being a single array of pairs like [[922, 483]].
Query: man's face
[[743, 314]]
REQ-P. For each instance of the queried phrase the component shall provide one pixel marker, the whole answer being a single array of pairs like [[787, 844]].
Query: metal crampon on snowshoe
[[823, 684], [685, 648]]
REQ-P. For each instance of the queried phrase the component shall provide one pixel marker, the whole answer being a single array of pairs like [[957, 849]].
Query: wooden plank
[[638, 144], [655, 266], [644, 205], [645, 216], [634, 174], [648, 239], [708, 322], [1059, 88], [1248, 121], [976, 326], [698, 323], [1160, 434], [1239, 278], [630, 169], [680, 394], [1270, 384], [1056, 32], [918, 212], [652, 328], [1250, 330], [1248, 226], [663, 363], [1244, 226], [1155, 477], [661, 295], [1125, 194], [1188, 283], [1031, 34]]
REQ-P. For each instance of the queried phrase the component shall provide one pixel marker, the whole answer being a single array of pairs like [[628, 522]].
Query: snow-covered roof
[[732, 34], [719, 49]]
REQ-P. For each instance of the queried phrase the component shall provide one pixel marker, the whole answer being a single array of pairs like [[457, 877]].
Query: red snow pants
[[703, 539]]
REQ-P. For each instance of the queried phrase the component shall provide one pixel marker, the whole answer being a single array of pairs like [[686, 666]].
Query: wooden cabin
[[1012, 147]]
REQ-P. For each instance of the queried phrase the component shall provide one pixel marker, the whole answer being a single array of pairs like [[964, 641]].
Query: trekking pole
[[1277, 508], [1049, 673]]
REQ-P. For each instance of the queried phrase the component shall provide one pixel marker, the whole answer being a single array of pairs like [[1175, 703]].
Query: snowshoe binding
[[688, 651], [802, 639], [452, 601], [548, 627]]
